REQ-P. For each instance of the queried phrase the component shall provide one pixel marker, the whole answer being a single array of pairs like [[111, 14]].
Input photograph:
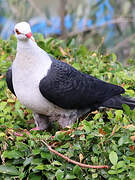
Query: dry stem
[[72, 161]]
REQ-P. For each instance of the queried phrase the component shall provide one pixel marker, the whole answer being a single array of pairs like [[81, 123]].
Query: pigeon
[[54, 90]]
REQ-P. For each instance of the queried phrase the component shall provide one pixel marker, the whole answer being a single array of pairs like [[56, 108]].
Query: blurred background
[[101, 25]]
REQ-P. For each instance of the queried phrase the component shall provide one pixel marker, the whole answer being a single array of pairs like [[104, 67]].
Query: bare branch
[[62, 16], [72, 161], [39, 12], [122, 43], [94, 27]]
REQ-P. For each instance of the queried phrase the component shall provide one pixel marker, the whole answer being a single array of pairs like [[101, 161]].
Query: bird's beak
[[29, 36]]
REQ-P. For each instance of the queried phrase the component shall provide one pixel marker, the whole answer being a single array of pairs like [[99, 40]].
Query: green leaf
[[50, 176], [97, 116], [123, 140], [131, 159], [110, 114], [77, 170], [112, 171], [36, 151], [94, 175], [114, 57], [46, 155], [12, 154], [36, 161], [56, 163], [70, 176], [27, 161], [132, 174], [113, 157], [126, 109], [11, 170], [120, 164], [60, 136], [118, 114], [59, 174], [132, 165], [2, 134], [40, 167], [65, 146], [22, 146], [88, 125], [76, 66], [34, 176]]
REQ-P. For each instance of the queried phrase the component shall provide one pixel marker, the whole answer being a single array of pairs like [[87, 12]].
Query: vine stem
[[72, 161]]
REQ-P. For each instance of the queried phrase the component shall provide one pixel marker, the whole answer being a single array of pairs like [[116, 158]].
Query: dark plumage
[[71, 89], [9, 80]]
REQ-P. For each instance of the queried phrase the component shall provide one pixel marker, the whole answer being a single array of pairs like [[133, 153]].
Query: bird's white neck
[[30, 56], [26, 44]]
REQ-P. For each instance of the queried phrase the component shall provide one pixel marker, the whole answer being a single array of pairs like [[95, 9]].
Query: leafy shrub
[[103, 137]]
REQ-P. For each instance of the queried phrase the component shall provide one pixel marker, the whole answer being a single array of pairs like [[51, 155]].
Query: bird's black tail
[[117, 101]]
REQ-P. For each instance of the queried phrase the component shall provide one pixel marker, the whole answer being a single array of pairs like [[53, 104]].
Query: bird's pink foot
[[35, 129], [18, 134], [25, 131], [21, 133]]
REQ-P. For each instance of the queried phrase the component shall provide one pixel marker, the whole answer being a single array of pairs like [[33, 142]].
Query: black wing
[[9, 80], [70, 89]]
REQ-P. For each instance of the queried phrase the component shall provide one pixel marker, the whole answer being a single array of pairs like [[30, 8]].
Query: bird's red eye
[[17, 31]]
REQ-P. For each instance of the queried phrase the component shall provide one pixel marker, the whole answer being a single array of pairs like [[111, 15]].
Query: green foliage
[[104, 137]]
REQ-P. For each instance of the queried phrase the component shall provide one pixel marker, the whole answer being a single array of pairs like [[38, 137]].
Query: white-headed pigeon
[[54, 90]]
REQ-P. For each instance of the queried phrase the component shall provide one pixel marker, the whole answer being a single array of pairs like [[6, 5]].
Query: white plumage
[[29, 67]]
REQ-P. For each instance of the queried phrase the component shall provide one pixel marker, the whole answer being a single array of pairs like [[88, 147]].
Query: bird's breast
[[26, 79]]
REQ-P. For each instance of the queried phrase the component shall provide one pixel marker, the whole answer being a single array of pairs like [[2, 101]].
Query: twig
[[94, 27], [62, 16], [122, 43], [39, 12], [72, 161]]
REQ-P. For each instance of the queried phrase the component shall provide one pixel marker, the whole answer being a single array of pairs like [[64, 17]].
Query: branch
[[62, 16], [123, 43], [72, 161], [94, 27], [39, 11]]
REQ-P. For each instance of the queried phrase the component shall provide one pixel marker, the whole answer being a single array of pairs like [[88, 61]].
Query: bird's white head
[[23, 31]]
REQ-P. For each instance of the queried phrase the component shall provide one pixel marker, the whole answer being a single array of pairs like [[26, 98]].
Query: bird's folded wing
[[70, 89]]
